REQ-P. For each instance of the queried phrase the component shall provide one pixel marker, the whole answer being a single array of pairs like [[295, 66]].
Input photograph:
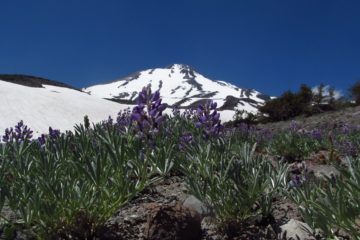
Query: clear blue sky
[[269, 45]]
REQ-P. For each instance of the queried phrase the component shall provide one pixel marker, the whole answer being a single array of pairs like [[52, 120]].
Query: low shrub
[[333, 204], [295, 144], [88, 175], [234, 185]]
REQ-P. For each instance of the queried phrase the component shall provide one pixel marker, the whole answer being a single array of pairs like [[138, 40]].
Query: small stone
[[295, 229], [195, 204], [320, 171]]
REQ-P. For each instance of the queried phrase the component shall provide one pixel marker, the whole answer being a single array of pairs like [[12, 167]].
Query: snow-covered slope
[[40, 106], [181, 86]]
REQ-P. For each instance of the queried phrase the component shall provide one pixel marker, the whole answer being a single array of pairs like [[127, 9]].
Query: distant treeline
[[304, 102]]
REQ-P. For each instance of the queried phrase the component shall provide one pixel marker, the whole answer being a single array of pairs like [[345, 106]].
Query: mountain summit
[[181, 86]]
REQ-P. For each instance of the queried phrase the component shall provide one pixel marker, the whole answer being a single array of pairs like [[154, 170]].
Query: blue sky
[[269, 45]]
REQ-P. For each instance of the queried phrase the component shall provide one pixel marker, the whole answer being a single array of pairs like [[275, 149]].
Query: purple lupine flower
[[207, 120], [148, 114], [316, 134], [42, 139], [185, 140], [213, 105], [266, 135], [346, 147], [54, 133], [136, 116], [124, 118], [161, 107], [243, 129], [189, 113], [294, 126], [296, 181], [7, 136], [176, 112], [156, 96], [110, 121], [200, 109], [20, 133], [348, 129], [203, 119]]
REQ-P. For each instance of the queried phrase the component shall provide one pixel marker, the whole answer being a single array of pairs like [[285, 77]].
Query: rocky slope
[[348, 116]]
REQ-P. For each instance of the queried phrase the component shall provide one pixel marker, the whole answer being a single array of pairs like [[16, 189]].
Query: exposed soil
[[132, 218]]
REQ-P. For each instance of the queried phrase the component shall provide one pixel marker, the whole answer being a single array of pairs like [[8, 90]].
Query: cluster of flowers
[[124, 118], [53, 134], [209, 119], [189, 114], [18, 134], [147, 115], [22, 132], [300, 175], [346, 146], [346, 140], [185, 140], [316, 134], [340, 136]]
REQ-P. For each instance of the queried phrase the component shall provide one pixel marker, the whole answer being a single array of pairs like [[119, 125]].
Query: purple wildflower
[[52, 135], [42, 139], [207, 120], [346, 147], [148, 114], [185, 140], [316, 134], [296, 181], [20, 133], [124, 118], [294, 126], [176, 112]]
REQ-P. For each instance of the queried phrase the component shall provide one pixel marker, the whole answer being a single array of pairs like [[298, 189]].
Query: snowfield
[[62, 107], [58, 107]]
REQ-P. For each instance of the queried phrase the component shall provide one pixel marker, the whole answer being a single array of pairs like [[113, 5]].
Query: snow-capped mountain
[[41, 103], [182, 87]]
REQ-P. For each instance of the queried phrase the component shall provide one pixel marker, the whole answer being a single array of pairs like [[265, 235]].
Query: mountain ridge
[[33, 81], [180, 86]]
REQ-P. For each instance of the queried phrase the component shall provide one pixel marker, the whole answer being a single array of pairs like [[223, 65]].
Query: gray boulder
[[196, 205], [296, 230]]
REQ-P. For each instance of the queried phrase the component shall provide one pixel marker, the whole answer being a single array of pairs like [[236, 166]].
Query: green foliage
[[293, 145], [87, 175], [333, 204], [231, 183], [241, 116], [332, 100], [319, 96], [71, 185], [288, 105], [355, 92]]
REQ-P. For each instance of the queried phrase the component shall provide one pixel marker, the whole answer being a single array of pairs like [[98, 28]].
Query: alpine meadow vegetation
[[66, 185]]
